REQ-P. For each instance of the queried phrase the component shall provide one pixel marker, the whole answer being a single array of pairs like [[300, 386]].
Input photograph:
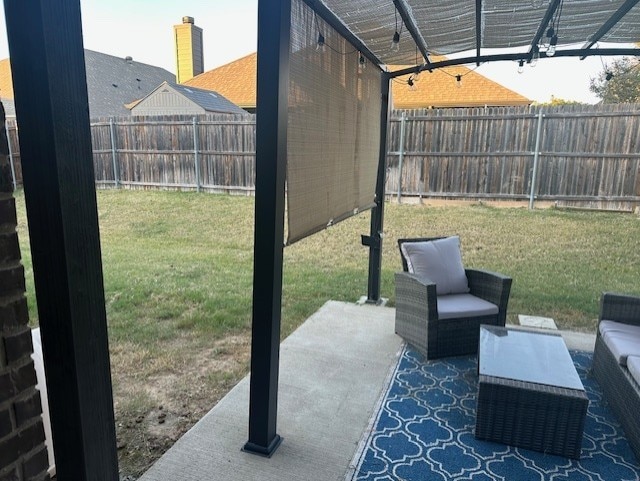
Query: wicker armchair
[[620, 389], [417, 319]]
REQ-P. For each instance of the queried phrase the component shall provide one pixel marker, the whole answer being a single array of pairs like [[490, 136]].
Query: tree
[[618, 83]]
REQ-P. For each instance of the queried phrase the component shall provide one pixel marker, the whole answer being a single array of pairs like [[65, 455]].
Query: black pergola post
[[47, 63], [374, 240], [274, 24]]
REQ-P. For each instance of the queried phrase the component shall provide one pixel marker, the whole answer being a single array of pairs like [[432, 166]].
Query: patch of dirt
[[154, 409]]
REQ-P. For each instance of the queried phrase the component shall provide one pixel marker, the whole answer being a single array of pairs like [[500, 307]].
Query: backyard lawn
[[178, 276]]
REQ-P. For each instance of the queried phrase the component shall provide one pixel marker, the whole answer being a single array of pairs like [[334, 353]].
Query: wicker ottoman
[[529, 393]]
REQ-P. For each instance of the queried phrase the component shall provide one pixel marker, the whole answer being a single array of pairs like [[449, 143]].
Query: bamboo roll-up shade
[[334, 127]]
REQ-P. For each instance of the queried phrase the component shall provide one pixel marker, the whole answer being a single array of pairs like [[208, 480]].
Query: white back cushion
[[440, 261]]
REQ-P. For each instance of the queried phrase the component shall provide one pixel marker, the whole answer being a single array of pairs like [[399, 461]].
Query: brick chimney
[[189, 52]]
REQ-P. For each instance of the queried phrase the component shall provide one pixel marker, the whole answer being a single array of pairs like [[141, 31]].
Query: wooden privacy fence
[[213, 153], [577, 155]]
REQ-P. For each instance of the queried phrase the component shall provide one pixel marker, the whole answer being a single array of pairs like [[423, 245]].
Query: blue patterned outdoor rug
[[423, 431]]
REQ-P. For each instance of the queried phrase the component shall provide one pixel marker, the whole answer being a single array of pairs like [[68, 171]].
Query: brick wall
[[23, 455]]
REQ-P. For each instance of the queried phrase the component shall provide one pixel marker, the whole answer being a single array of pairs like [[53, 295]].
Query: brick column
[[23, 455]]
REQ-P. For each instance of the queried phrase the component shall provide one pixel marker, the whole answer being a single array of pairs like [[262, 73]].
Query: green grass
[[178, 287], [182, 262]]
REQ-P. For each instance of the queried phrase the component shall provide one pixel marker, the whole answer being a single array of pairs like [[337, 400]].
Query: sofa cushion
[[439, 261], [464, 305], [633, 364], [623, 340]]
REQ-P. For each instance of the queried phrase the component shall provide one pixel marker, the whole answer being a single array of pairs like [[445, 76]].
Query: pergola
[[45, 40]]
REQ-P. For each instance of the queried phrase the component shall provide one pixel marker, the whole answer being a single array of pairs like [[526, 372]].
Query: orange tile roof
[[6, 84], [237, 82], [439, 89]]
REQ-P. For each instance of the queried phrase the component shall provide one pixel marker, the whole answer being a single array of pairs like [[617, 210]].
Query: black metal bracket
[[371, 241]]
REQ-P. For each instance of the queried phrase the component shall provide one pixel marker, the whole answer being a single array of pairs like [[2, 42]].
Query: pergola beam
[[615, 18], [478, 28], [516, 56], [335, 23], [403, 10]]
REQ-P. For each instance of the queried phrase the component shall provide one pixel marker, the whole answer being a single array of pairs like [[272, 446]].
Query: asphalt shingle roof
[[209, 100], [112, 82]]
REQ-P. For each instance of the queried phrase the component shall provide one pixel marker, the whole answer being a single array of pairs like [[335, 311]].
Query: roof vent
[[187, 20], [128, 59]]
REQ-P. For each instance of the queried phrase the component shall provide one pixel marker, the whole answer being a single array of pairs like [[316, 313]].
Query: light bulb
[[320, 46], [534, 57], [395, 42], [411, 84], [551, 51], [520, 66], [459, 80], [362, 63]]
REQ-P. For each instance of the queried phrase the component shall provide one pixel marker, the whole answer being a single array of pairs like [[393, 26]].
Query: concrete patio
[[333, 371]]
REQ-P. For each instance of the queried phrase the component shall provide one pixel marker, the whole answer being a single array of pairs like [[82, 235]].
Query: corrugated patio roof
[[437, 27]]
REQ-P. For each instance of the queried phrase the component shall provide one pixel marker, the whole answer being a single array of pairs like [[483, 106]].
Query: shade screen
[[334, 127]]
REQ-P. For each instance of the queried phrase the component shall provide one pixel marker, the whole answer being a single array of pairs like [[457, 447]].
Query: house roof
[[209, 100], [112, 82], [237, 82]]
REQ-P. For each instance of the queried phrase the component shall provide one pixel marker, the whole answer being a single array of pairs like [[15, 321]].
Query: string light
[[411, 83], [395, 42], [551, 51], [608, 76], [535, 56], [321, 46], [458, 80], [520, 66], [362, 62]]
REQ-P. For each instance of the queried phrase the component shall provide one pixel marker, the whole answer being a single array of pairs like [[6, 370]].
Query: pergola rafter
[[478, 29], [403, 10], [608, 25]]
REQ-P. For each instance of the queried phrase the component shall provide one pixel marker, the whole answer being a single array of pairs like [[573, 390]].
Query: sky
[[143, 29]]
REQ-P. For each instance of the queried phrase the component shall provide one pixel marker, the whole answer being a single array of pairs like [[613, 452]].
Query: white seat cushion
[[623, 340], [464, 305], [633, 364], [439, 261]]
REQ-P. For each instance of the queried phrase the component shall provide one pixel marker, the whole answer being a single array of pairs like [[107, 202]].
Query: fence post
[[114, 158], [536, 155], [195, 153], [403, 118], [13, 169]]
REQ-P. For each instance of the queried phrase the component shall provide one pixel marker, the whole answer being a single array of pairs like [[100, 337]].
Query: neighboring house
[[9, 107], [438, 89], [172, 99], [235, 80], [112, 82]]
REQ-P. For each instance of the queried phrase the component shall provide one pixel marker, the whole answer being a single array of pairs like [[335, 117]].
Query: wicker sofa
[[616, 366], [421, 324]]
